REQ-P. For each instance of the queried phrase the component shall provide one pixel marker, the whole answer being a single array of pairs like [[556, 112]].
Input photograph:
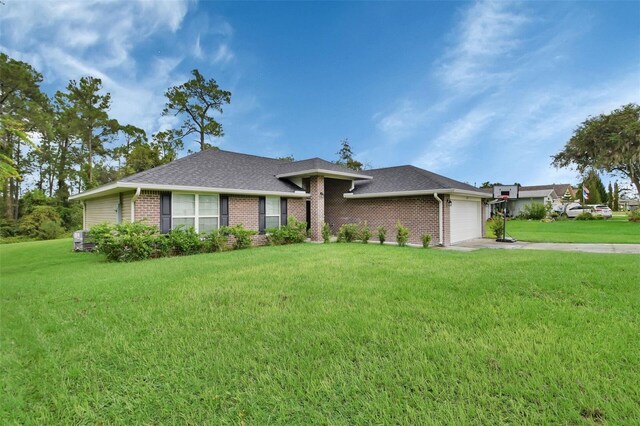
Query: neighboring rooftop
[[539, 193], [405, 179]]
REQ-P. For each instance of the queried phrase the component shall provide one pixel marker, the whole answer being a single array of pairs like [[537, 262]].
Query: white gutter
[[117, 186], [133, 204], [440, 219], [324, 172], [478, 194]]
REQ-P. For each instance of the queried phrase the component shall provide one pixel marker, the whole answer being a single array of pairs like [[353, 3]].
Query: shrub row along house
[[215, 188]]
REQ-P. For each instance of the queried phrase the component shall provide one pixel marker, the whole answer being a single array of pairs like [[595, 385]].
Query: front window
[[272, 212], [195, 210]]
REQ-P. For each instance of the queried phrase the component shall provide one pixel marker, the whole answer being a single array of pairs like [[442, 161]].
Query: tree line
[[69, 142]]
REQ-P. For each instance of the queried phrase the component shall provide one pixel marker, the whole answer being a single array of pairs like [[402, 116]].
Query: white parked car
[[602, 209], [574, 209]]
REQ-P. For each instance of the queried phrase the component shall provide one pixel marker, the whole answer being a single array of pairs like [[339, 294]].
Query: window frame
[[196, 217], [279, 214]]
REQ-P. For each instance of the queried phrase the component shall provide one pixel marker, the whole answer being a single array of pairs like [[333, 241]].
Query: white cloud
[[489, 30], [452, 146], [223, 55]]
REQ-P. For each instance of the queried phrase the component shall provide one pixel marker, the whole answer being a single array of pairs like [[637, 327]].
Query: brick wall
[[297, 207], [418, 214], [317, 192], [243, 210], [147, 207]]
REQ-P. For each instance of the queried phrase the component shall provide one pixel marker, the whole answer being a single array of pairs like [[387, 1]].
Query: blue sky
[[476, 91]]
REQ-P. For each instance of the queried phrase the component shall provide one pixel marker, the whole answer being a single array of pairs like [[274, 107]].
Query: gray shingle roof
[[406, 178], [219, 169], [316, 164]]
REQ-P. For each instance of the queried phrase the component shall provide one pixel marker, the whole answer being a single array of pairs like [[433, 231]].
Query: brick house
[[217, 188]]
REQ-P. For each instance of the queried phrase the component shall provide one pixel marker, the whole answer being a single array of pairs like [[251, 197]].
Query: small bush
[[496, 225], [634, 216], [426, 239], [554, 215], [382, 234], [535, 211], [185, 241], [598, 217], [50, 231], [125, 242], [326, 233], [9, 228], [348, 233], [31, 223], [215, 241], [584, 216], [292, 233], [365, 233], [242, 236], [402, 234]]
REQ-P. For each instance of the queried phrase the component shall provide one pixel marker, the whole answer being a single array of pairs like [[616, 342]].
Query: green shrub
[[215, 241], [9, 228], [554, 215], [71, 215], [242, 236], [365, 233], [32, 223], [634, 216], [293, 232], [496, 225], [348, 233], [125, 242], [50, 231], [326, 233], [598, 217], [584, 216], [426, 239], [382, 234], [535, 211], [185, 241], [402, 234]]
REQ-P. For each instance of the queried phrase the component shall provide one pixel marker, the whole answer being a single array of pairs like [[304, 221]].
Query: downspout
[[84, 215], [133, 205], [440, 219]]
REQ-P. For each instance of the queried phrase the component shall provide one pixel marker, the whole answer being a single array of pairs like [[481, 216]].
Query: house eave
[[119, 186], [478, 194], [326, 173]]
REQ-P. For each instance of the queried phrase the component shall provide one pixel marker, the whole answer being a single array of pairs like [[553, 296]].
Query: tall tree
[[195, 101], [345, 156], [610, 196], [616, 197], [22, 111], [597, 193], [608, 142], [91, 122]]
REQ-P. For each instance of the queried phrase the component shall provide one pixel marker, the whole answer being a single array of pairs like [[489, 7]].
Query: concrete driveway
[[479, 243]]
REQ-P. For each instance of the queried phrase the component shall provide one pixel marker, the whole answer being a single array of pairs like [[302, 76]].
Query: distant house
[[530, 196], [553, 194], [215, 188]]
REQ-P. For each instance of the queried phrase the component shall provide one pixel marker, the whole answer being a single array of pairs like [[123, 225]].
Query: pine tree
[[616, 197], [610, 196]]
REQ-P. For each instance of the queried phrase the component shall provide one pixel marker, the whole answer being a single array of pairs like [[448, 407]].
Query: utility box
[[82, 242]]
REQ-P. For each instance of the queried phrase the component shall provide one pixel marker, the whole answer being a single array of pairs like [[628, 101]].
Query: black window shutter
[[283, 211], [165, 212], [224, 210], [261, 214]]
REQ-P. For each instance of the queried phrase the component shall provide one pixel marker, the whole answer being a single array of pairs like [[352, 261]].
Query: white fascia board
[[118, 186], [326, 173], [477, 194]]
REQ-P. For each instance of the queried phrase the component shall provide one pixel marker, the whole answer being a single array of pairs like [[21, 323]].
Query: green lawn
[[319, 334], [615, 230]]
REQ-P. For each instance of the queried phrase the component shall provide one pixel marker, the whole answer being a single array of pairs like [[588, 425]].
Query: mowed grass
[[319, 334], [615, 230]]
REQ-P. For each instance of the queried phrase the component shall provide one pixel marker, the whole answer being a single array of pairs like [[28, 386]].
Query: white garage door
[[466, 220]]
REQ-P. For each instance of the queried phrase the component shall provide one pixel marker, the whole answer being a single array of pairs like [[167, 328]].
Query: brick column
[[316, 189]]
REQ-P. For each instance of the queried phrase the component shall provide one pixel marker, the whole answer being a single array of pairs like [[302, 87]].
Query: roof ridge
[[145, 172], [251, 155]]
